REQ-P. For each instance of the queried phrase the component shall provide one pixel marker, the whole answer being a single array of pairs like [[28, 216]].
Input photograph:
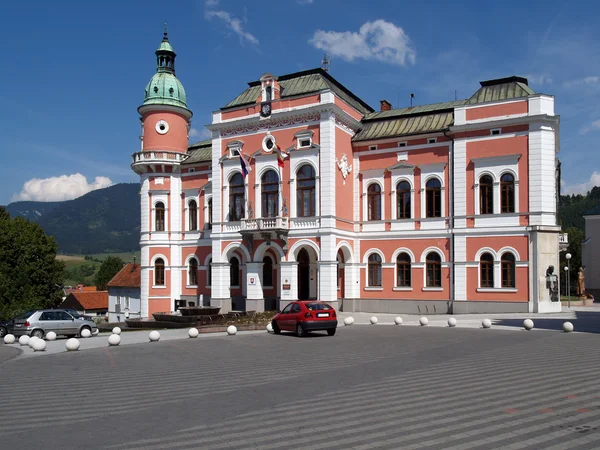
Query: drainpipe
[[451, 198]]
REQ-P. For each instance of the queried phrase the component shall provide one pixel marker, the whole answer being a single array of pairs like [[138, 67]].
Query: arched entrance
[[341, 275], [303, 275]]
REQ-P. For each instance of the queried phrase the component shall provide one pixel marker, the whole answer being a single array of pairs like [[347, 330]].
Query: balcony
[[161, 157], [265, 224], [563, 241]]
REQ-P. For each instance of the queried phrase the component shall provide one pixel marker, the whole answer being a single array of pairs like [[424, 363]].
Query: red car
[[305, 316]]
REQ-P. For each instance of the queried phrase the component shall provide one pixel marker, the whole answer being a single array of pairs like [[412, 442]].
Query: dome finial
[[165, 31]]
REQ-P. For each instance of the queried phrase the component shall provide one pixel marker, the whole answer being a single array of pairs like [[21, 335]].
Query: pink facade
[[448, 207]]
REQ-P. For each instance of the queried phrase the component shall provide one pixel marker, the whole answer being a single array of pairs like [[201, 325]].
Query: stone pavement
[[367, 387]]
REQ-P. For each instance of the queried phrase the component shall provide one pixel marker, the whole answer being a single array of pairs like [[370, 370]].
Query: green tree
[[576, 237], [30, 275], [109, 268]]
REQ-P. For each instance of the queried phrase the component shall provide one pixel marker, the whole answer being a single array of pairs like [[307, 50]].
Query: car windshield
[[24, 316], [318, 307]]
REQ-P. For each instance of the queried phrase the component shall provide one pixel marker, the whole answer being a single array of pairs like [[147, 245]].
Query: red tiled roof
[[91, 300], [128, 276]]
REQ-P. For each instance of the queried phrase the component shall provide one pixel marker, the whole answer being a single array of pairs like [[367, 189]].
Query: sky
[[74, 72]]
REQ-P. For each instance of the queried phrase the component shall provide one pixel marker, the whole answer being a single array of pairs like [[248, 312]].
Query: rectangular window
[[431, 140], [372, 147], [495, 131], [401, 144], [304, 143], [127, 302]]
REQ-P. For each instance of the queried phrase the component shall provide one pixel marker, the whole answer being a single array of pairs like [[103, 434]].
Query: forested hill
[[101, 221], [572, 208]]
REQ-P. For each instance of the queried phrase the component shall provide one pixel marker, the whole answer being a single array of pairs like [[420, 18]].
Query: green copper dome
[[164, 88]]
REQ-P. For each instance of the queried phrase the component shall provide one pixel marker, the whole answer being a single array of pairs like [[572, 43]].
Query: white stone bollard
[[9, 339], [351, 320], [116, 330], [528, 324], [451, 322], [486, 323], [423, 321], [154, 336], [86, 333], [568, 327], [24, 340], [39, 345], [114, 339], [348, 321], [398, 320], [269, 328], [374, 320], [72, 345], [193, 332], [51, 336], [32, 340], [231, 330]]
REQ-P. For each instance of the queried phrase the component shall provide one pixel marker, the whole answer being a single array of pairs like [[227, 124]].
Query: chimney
[[385, 105]]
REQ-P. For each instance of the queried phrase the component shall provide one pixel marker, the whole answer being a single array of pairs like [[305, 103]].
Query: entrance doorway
[[341, 280], [303, 275]]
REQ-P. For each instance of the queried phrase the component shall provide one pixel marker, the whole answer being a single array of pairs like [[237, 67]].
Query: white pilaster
[[460, 268], [254, 292], [327, 170], [289, 275], [542, 174], [460, 183], [145, 280]]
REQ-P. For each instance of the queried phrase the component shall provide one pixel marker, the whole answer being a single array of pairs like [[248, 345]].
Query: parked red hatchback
[[304, 317]]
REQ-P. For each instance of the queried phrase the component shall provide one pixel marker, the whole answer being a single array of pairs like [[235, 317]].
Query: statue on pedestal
[[580, 283], [552, 284]]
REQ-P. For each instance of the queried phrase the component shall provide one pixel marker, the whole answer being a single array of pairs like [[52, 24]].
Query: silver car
[[38, 323]]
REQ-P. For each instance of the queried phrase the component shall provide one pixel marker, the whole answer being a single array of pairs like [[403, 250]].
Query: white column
[[255, 300], [459, 183], [460, 268], [145, 280], [327, 170], [175, 238], [289, 276], [542, 174]]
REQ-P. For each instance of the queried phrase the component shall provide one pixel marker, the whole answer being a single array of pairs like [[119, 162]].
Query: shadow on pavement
[[585, 322]]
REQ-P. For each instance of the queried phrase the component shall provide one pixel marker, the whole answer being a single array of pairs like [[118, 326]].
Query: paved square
[[367, 387]]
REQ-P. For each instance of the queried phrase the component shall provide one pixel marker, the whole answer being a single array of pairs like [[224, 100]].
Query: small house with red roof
[[87, 303], [124, 294]]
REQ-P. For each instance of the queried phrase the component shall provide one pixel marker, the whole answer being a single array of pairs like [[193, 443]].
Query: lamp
[[568, 269]]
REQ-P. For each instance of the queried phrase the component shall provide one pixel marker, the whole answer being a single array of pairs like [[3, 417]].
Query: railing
[[563, 238], [158, 156], [305, 222], [266, 223]]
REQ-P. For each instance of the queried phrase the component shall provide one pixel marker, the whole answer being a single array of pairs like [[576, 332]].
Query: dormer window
[[304, 139], [235, 148]]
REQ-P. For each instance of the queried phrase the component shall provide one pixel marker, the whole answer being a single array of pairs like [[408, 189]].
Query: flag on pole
[[245, 165], [281, 155]]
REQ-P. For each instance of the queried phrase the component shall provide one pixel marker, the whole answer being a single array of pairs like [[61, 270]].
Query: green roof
[[301, 83], [405, 126], [199, 152], [501, 89], [414, 110], [165, 89]]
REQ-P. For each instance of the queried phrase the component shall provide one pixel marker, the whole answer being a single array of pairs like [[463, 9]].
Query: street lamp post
[[568, 256]]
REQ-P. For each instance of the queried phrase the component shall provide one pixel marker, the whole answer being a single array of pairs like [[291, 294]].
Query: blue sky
[[74, 72]]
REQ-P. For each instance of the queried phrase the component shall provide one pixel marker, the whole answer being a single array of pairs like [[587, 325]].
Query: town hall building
[[306, 192]]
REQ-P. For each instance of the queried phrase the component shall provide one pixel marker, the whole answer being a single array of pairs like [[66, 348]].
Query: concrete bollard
[[116, 330], [486, 323], [114, 339], [193, 332], [9, 339], [374, 320], [269, 328], [231, 330], [568, 327], [528, 324], [24, 340], [423, 321], [451, 322], [39, 345], [50, 336], [72, 345], [86, 333], [348, 321], [398, 320], [154, 336]]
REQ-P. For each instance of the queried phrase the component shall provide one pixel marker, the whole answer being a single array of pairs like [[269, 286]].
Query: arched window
[[234, 271], [433, 192], [159, 272], [193, 272], [159, 217], [374, 270], [486, 270], [403, 200], [306, 191], [486, 195], [193, 215], [270, 194], [267, 272], [374, 202], [507, 193], [434, 270], [210, 212], [403, 270], [237, 196], [508, 270], [209, 273]]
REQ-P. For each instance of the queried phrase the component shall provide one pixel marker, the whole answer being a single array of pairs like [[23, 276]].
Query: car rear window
[[24, 316], [319, 307]]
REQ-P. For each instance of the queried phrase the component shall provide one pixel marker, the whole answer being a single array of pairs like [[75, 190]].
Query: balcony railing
[[265, 223], [162, 156], [563, 238]]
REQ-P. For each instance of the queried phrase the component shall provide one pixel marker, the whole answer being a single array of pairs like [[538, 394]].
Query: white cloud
[[230, 21], [587, 81], [55, 189], [539, 79], [305, 2], [595, 125], [581, 188], [379, 40], [200, 134]]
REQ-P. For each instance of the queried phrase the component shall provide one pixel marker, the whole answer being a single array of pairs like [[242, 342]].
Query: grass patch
[[82, 269]]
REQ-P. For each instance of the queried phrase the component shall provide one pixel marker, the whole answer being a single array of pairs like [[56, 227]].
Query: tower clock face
[[162, 127]]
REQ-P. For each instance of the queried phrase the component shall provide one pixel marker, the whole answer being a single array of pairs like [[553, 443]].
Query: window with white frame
[[433, 266], [507, 193], [372, 147], [192, 215], [507, 266], [433, 197], [496, 184], [374, 202], [235, 148], [304, 139], [159, 216], [403, 270], [486, 270], [495, 131], [486, 195], [431, 140], [127, 304], [209, 273], [193, 272], [159, 272], [237, 197], [305, 191], [270, 194], [402, 144], [403, 200]]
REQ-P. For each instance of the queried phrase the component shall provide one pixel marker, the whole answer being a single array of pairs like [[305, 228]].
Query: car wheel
[[85, 328], [276, 329], [3, 332], [38, 334], [300, 331], [331, 331]]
